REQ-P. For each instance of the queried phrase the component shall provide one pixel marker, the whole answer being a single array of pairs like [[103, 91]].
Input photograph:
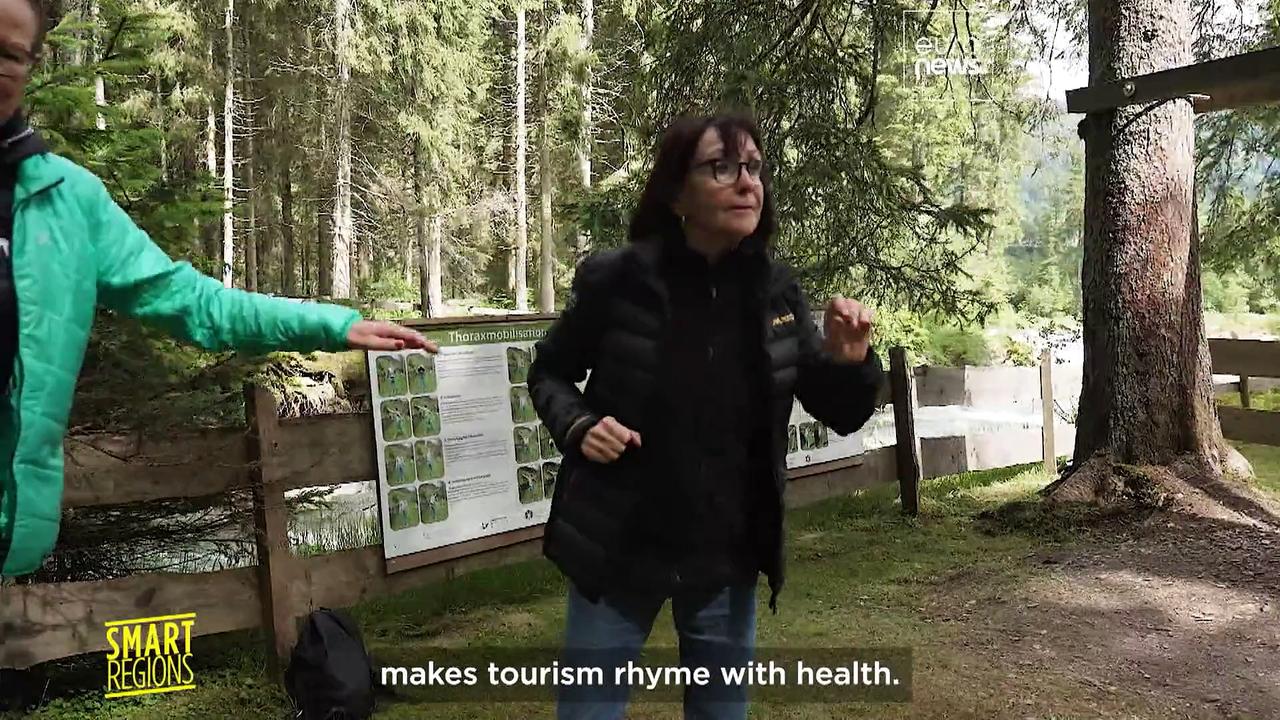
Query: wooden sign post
[[276, 564], [903, 388], [1046, 401]]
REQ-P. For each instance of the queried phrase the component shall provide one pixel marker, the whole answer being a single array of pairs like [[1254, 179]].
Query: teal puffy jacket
[[73, 248]]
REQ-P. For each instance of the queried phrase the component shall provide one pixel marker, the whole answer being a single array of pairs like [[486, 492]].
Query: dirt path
[[1180, 613]]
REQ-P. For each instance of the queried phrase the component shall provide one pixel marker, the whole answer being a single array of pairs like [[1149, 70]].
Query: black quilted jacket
[[612, 326]]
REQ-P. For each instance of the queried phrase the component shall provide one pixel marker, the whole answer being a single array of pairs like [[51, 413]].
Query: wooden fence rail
[[270, 456], [1247, 358]]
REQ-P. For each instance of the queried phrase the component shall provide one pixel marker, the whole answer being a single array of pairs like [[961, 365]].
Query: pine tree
[[520, 249], [1147, 393]]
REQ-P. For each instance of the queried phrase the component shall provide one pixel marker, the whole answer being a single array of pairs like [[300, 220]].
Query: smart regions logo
[[149, 655], [944, 45]]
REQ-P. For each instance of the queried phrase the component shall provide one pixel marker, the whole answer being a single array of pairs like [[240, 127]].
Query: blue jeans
[[715, 628]]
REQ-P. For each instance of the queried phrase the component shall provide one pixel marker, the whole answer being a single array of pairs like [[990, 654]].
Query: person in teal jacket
[[65, 247]]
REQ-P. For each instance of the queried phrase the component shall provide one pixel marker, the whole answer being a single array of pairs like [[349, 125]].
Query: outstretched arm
[[137, 278]]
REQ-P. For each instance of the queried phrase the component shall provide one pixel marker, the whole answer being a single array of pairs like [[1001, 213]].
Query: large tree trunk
[[520, 256], [547, 266], [1146, 398], [586, 144], [288, 278], [340, 270], [228, 155]]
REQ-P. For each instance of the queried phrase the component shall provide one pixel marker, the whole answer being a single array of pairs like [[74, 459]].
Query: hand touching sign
[[606, 442], [370, 335], [848, 325]]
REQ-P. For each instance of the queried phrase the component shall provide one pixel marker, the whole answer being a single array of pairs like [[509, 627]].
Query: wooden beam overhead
[[1231, 82]]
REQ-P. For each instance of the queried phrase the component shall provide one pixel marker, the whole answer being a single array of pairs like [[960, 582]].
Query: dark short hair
[[37, 43], [654, 217]]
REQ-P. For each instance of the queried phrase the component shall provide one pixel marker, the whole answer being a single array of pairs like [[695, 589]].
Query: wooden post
[[1046, 400], [1244, 391], [903, 387], [276, 565]]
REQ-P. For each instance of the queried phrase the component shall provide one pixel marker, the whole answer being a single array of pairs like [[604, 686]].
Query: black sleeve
[[841, 396], [565, 355]]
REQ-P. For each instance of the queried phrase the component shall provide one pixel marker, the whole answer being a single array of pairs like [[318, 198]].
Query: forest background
[[447, 157]]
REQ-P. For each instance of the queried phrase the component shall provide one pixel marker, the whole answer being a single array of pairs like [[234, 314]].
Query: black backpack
[[330, 675]]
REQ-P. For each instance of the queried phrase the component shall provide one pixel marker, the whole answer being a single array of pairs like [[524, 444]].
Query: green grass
[[1269, 400], [1223, 324], [1266, 465], [859, 574], [854, 555], [1264, 458], [321, 532]]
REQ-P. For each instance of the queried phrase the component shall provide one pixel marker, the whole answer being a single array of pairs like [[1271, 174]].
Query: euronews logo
[[946, 51], [933, 60]]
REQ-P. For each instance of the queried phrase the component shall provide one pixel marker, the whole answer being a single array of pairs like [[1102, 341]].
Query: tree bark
[[324, 217], [324, 241], [228, 155], [420, 227], [77, 54], [547, 264], [340, 272], [211, 250], [520, 256], [406, 234], [435, 298], [364, 251], [252, 243], [99, 83], [1146, 397], [480, 230], [163, 127], [251, 239], [288, 279], [511, 267], [586, 143]]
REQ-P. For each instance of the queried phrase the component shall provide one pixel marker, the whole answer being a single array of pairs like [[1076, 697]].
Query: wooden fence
[[1247, 358], [43, 622], [270, 456]]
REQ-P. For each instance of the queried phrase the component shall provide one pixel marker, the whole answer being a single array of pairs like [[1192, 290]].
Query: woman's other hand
[[376, 335], [606, 442], [848, 330]]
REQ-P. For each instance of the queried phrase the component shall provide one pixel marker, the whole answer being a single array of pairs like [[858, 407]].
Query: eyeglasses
[[727, 172]]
